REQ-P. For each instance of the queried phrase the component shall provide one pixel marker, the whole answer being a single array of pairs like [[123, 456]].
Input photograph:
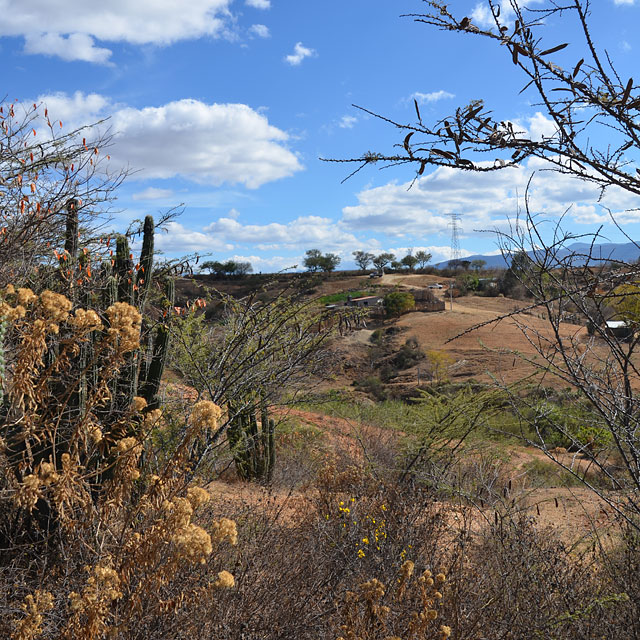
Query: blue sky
[[225, 106]]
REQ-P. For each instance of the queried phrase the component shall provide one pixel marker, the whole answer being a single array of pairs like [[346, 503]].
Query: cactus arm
[[144, 276], [124, 270], [71, 232]]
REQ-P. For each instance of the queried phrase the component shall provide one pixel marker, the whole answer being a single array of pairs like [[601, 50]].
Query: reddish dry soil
[[576, 514]]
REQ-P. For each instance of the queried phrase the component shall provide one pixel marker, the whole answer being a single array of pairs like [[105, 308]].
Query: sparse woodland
[[165, 474]]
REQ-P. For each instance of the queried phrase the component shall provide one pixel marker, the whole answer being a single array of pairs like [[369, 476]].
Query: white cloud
[[304, 230], [76, 110], [206, 143], [260, 30], [623, 1], [300, 52], [258, 4], [75, 46], [485, 201], [541, 127], [434, 96], [481, 15], [152, 193], [179, 239], [347, 122], [70, 28], [271, 264], [226, 234]]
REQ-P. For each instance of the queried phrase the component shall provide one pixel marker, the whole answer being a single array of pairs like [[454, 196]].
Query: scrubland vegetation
[[168, 470]]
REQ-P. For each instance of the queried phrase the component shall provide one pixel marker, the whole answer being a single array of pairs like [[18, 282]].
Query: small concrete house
[[365, 301]]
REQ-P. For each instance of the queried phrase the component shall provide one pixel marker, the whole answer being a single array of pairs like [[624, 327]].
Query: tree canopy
[[382, 260], [315, 260], [362, 259]]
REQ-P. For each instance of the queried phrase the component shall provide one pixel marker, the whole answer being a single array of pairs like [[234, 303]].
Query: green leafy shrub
[[398, 302]]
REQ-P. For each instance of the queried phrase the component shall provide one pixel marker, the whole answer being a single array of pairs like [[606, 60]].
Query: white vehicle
[[437, 285]]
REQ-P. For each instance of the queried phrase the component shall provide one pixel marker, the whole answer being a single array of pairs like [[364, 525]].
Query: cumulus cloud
[[70, 28], [300, 52], [75, 46], [228, 234], [485, 201], [206, 143], [78, 109], [623, 1], [258, 4], [434, 96], [304, 230], [260, 30], [540, 127], [177, 238]]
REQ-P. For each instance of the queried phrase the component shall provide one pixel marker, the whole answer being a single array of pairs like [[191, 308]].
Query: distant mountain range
[[616, 252]]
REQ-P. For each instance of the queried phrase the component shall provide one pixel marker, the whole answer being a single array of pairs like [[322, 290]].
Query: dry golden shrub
[[93, 544]]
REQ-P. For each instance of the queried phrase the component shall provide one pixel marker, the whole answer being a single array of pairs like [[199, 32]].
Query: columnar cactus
[[252, 444], [121, 281], [131, 284]]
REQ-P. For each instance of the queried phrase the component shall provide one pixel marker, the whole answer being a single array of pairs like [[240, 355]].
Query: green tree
[[626, 301], [228, 268], [518, 274], [398, 302], [236, 268], [243, 268], [329, 261], [213, 267], [382, 260], [423, 258], [362, 259], [410, 261], [313, 258], [478, 264]]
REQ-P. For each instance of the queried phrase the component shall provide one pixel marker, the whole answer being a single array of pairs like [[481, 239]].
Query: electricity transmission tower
[[454, 223]]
